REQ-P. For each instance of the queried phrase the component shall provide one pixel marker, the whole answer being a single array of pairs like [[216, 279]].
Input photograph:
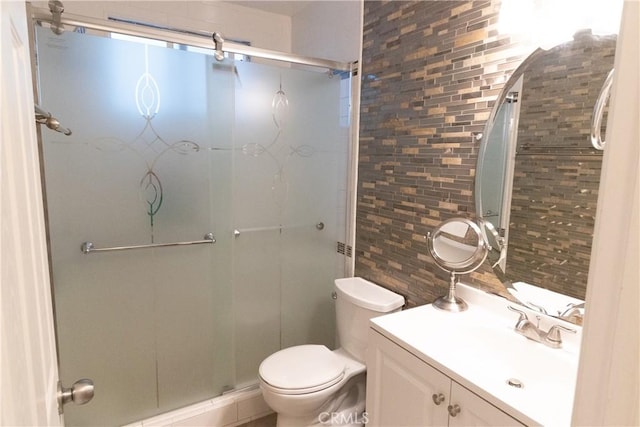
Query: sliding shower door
[[151, 327], [289, 208], [169, 145]]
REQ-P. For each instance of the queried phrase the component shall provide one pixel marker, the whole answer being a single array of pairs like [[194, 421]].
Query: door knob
[[79, 393]]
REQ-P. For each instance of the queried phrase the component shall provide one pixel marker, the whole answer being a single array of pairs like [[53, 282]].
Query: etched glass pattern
[[167, 146]]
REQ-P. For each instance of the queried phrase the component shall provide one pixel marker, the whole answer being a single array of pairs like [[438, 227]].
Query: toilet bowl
[[311, 385]]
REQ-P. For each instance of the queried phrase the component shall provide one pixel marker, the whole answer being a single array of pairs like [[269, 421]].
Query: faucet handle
[[523, 315], [571, 310], [553, 336], [540, 308]]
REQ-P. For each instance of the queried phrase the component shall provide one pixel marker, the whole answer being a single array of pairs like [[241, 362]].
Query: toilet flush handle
[[334, 295]]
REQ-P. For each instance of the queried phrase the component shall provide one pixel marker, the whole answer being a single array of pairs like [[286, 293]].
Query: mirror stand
[[451, 302], [457, 247]]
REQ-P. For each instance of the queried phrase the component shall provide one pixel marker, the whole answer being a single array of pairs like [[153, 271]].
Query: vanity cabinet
[[403, 390]]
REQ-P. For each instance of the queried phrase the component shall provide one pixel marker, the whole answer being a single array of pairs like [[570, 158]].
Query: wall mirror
[[538, 174], [457, 247]]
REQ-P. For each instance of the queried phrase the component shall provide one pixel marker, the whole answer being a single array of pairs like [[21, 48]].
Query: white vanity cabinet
[[475, 411], [403, 390]]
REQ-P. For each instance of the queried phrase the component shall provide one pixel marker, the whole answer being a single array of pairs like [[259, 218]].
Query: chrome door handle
[[438, 398], [79, 393], [453, 409]]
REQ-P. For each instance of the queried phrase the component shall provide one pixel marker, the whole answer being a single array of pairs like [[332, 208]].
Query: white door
[[28, 365]]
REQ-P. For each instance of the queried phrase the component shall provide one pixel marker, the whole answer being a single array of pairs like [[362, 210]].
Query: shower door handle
[[80, 392]]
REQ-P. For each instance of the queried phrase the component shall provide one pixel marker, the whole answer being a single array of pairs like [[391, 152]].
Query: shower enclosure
[[195, 214]]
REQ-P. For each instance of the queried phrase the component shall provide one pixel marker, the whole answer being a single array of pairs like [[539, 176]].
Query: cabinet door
[[475, 411], [400, 387]]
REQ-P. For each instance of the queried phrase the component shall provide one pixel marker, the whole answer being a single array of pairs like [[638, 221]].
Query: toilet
[[311, 385]]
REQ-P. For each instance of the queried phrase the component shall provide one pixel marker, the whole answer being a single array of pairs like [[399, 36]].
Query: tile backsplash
[[431, 71]]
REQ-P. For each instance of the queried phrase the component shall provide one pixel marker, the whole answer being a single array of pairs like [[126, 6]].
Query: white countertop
[[480, 350]]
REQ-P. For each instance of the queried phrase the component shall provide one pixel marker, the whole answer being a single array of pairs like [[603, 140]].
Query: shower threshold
[[233, 408]]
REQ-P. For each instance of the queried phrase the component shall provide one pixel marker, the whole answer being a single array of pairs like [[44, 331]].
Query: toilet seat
[[302, 369]]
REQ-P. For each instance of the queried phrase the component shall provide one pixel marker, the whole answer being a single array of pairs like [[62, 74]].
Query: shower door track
[[205, 41]]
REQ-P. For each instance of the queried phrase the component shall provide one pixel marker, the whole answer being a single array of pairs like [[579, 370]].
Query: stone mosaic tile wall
[[430, 73], [559, 93], [552, 220], [557, 172]]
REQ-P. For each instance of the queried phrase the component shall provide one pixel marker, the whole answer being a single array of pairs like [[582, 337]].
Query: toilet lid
[[302, 369]]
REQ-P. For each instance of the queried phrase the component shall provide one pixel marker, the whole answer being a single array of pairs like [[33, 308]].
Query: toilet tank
[[357, 301]]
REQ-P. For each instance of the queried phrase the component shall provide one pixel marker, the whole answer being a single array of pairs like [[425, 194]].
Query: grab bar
[[44, 118], [88, 247], [237, 232]]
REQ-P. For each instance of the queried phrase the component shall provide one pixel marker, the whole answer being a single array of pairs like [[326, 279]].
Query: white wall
[[263, 29], [608, 386], [328, 29]]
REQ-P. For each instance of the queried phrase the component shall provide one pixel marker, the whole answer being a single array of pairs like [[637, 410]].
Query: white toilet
[[312, 385]]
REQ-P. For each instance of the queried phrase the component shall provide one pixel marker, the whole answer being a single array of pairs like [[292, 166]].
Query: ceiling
[[288, 8]]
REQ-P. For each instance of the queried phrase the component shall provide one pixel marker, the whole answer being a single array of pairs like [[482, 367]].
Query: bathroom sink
[[518, 370], [480, 350], [505, 351]]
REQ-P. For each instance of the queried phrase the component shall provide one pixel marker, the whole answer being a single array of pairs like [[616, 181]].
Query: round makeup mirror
[[458, 247]]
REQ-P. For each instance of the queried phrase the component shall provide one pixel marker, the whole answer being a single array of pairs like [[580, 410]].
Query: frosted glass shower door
[[149, 161], [289, 208], [169, 145]]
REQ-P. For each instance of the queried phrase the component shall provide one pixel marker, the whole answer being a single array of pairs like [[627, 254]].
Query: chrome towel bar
[[238, 232], [88, 247]]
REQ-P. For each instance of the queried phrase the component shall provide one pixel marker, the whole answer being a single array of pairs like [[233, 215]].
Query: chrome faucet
[[572, 313], [551, 338]]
